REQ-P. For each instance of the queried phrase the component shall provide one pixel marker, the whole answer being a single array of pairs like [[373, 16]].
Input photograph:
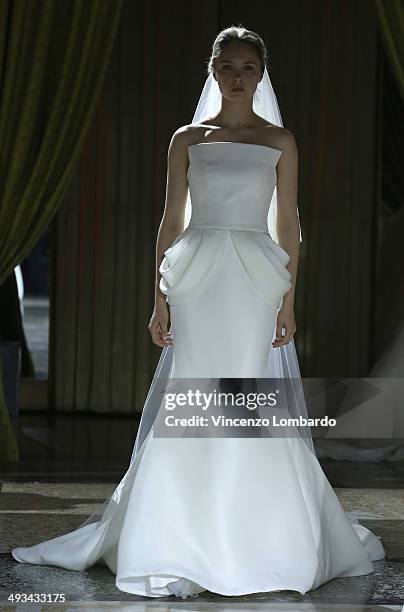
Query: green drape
[[53, 60], [391, 22]]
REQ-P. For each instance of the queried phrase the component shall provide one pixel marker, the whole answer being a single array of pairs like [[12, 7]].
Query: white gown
[[230, 515]]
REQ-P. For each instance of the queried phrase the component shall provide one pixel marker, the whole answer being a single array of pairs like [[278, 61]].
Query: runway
[[49, 493]]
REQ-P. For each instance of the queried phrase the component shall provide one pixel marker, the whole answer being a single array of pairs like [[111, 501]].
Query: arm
[[287, 227], [171, 225]]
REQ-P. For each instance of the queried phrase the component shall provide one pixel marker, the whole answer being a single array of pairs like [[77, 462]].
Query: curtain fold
[[391, 23], [53, 60], [389, 288], [103, 359]]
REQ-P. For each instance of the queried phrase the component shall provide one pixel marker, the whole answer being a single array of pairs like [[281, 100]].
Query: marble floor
[[55, 487]]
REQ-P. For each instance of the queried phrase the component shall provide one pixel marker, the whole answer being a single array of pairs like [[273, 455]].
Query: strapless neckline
[[231, 184], [227, 142]]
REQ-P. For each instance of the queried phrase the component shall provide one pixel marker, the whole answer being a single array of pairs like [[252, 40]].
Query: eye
[[249, 67]]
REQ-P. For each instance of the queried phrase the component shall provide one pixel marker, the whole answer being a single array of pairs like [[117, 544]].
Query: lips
[[237, 89]]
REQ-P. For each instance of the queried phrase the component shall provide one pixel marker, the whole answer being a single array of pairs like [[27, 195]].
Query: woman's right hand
[[158, 324]]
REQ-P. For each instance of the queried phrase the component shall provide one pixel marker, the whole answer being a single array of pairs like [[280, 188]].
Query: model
[[229, 514]]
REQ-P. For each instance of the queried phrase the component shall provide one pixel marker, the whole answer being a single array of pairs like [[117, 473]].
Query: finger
[[167, 340], [164, 332], [279, 340], [162, 327], [279, 329], [154, 331], [279, 333], [157, 340], [170, 336], [286, 339], [165, 336]]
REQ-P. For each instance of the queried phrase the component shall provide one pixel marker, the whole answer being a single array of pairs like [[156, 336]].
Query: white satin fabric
[[225, 266], [229, 515]]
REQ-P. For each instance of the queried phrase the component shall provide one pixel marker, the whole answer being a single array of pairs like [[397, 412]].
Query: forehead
[[238, 51]]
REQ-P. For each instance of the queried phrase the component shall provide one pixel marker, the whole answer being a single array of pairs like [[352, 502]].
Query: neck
[[236, 115]]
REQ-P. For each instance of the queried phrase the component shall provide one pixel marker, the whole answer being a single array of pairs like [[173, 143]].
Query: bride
[[234, 513]]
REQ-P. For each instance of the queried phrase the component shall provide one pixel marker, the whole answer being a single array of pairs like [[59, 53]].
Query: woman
[[228, 513]]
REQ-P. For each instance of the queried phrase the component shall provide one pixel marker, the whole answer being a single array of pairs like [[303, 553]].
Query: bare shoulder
[[186, 135], [286, 141], [281, 138]]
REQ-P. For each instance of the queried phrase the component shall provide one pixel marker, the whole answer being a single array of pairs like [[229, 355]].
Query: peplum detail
[[264, 262], [195, 255], [189, 263]]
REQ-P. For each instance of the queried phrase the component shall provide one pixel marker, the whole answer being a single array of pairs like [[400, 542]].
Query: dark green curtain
[[53, 60], [389, 286], [391, 22]]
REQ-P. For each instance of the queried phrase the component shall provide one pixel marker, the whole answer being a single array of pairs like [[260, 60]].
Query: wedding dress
[[230, 515]]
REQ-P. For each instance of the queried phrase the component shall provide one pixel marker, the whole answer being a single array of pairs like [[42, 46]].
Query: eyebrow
[[247, 62]]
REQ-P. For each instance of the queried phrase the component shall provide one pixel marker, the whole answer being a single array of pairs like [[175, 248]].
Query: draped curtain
[[391, 23], [53, 59], [389, 287], [105, 232], [322, 65]]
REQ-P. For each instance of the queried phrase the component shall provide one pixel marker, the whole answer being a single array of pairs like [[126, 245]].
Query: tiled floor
[[31, 512], [51, 492]]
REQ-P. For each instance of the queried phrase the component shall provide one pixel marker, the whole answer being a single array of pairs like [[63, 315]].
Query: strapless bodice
[[231, 184]]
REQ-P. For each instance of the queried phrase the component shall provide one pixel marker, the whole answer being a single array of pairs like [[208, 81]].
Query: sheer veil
[[283, 362], [265, 104]]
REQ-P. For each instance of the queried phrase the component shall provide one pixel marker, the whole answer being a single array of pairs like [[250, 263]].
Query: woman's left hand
[[286, 319]]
